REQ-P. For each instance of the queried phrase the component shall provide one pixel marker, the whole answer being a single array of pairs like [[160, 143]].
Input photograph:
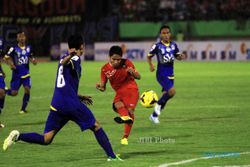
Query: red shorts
[[129, 97]]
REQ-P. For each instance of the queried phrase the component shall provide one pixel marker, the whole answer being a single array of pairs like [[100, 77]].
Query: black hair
[[75, 41], [19, 32], [115, 50], [165, 26]]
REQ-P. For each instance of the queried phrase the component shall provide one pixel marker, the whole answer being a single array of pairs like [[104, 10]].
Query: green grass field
[[209, 114]]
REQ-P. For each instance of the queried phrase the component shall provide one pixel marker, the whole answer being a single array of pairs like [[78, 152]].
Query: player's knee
[[27, 90], [96, 126], [2, 93], [14, 93], [171, 92]]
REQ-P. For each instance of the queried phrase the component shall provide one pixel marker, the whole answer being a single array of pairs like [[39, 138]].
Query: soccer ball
[[148, 99]]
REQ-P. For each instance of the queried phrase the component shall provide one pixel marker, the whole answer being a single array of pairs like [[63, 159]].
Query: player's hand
[[34, 61], [72, 51], [13, 67], [183, 56], [100, 87], [86, 99], [151, 67], [130, 70]]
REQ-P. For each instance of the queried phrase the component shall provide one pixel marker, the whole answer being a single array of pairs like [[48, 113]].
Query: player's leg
[[167, 93], [54, 123], [123, 112], [2, 93], [86, 120], [26, 97], [15, 84], [130, 100]]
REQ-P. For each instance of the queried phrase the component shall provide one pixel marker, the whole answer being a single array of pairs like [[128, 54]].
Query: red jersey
[[119, 78]]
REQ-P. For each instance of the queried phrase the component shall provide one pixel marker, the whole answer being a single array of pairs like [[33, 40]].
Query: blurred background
[[205, 30]]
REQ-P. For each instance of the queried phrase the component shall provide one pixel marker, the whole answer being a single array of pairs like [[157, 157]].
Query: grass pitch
[[209, 116]]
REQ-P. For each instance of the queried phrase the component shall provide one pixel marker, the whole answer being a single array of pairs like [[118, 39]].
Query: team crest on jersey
[[110, 73], [23, 52], [173, 47], [28, 50], [168, 49]]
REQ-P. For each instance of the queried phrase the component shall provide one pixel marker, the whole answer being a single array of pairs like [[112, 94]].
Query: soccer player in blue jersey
[[67, 104], [166, 51], [2, 83], [18, 58]]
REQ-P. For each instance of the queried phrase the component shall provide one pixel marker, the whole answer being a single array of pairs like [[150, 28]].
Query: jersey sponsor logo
[[110, 73], [23, 52]]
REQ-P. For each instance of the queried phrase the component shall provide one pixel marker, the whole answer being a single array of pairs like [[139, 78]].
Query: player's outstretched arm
[[66, 60], [151, 66]]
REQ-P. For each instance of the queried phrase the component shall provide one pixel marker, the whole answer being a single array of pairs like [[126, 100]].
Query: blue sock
[[8, 92], [163, 100], [26, 98], [103, 140], [32, 138]]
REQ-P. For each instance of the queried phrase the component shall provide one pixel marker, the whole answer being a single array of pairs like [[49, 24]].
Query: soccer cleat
[[117, 158], [13, 136], [154, 119], [23, 111], [123, 119], [124, 141], [157, 109]]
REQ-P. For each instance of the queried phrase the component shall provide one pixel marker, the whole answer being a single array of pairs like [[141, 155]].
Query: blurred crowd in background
[[173, 10]]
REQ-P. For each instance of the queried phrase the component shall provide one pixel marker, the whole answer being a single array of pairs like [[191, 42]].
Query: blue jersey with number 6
[[66, 88]]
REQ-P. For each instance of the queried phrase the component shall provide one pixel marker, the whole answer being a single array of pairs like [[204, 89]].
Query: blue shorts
[[165, 82], [81, 116], [2, 83], [17, 82]]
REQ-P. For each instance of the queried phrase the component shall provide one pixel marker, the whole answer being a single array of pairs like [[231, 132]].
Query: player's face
[[21, 38], [80, 51], [165, 35], [115, 60]]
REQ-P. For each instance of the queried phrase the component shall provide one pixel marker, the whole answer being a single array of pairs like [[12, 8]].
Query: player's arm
[[151, 65], [102, 85], [151, 54], [132, 71], [181, 56], [8, 59], [32, 58], [66, 60]]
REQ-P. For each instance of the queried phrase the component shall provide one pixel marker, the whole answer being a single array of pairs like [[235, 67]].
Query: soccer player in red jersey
[[121, 74]]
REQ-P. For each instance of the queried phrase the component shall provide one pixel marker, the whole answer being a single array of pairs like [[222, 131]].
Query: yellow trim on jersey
[[170, 77], [53, 108], [166, 44], [6, 56], [150, 55], [72, 64], [25, 76]]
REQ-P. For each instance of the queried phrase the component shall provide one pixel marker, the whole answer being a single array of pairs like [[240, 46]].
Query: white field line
[[195, 159]]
